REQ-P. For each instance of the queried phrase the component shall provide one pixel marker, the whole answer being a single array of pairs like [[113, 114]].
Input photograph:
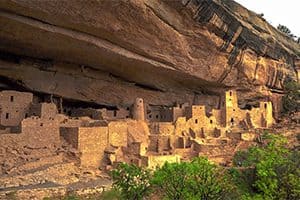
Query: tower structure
[[229, 107], [138, 112]]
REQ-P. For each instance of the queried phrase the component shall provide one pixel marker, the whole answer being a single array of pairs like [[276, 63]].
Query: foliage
[[110, 195], [172, 179], [291, 100], [199, 179], [277, 174], [132, 182], [286, 31]]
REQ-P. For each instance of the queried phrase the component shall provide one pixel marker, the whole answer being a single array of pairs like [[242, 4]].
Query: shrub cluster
[[291, 99]]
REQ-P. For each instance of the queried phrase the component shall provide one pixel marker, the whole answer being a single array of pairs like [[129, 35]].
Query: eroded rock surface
[[110, 52]]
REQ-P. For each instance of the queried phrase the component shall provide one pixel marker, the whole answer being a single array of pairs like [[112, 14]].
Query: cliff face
[[109, 52]]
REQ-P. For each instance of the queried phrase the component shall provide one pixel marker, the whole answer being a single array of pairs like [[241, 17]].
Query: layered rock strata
[[110, 52]]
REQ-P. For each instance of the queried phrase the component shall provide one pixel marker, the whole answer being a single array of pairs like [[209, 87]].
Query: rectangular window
[[11, 98], [6, 115]]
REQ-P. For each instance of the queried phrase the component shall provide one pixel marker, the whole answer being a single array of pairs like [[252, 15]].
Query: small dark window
[[141, 101], [230, 93], [115, 113], [233, 109], [180, 105], [11, 98], [156, 116], [127, 116], [26, 115], [211, 121], [196, 121], [6, 115], [127, 108], [232, 121], [265, 106], [41, 124], [150, 116]]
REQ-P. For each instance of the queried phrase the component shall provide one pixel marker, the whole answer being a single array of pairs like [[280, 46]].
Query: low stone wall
[[42, 193]]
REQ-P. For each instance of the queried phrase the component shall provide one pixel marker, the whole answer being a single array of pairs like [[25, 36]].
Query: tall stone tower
[[138, 111], [229, 108]]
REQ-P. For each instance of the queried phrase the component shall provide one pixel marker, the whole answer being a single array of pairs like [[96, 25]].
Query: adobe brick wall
[[90, 112], [118, 134], [163, 143], [137, 149], [117, 114], [43, 110], [89, 141], [70, 134], [157, 161], [41, 132], [19, 98], [92, 142], [153, 113], [13, 107], [166, 115], [153, 144]]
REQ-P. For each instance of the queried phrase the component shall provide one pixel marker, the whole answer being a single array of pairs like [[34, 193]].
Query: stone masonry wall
[[41, 132], [92, 142], [118, 133], [13, 107]]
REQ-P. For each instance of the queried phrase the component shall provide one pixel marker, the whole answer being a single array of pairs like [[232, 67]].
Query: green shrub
[[199, 179], [112, 194], [133, 182], [277, 174], [291, 99], [172, 179]]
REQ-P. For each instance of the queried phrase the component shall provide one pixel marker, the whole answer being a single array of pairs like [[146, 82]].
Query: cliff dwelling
[[86, 86], [104, 137]]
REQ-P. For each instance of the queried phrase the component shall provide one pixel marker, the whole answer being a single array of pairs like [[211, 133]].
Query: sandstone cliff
[[109, 52]]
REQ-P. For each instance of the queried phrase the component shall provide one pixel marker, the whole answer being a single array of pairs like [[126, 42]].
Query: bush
[[291, 99], [131, 181], [199, 179], [172, 179], [277, 174], [110, 195]]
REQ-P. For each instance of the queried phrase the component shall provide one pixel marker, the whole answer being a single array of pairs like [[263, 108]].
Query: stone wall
[[13, 107], [117, 131], [120, 113], [70, 134], [90, 142], [43, 110], [158, 161], [41, 132]]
